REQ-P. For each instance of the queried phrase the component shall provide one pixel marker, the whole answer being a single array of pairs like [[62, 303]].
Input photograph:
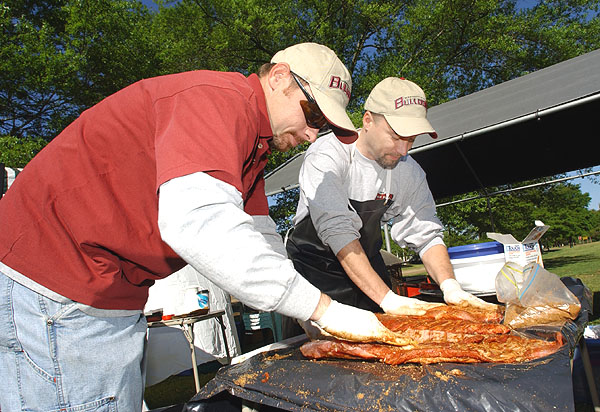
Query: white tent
[[7, 177], [168, 350]]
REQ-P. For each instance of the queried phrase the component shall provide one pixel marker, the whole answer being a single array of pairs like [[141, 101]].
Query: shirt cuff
[[433, 242], [338, 241]]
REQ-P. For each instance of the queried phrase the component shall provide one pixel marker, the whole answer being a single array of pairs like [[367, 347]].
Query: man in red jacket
[[166, 172]]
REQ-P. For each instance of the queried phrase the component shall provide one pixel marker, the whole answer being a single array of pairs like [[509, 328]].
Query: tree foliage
[[562, 206], [16, 152], [59, 57]]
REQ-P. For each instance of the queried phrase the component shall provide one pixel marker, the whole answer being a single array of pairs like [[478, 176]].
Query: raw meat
[[428, 330], [493, 348], [466, 313]]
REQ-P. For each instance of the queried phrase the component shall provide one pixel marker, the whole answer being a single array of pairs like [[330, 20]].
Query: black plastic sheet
[[285, 380]]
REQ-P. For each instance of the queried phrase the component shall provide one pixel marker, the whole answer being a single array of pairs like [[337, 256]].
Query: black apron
[[317, 263]]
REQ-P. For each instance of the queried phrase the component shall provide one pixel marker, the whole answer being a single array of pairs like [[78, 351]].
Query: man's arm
[[268, 228], [202, 220], [324, 302], [437, 263], [356, 264]]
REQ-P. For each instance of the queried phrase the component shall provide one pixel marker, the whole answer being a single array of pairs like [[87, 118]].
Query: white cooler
[[476, 266]]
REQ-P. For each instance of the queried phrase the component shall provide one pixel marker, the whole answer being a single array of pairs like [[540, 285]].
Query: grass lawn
[[581, 261], [174, 390]]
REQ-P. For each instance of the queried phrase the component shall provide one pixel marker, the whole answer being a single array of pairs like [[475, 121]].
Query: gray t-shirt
[[333, 172]]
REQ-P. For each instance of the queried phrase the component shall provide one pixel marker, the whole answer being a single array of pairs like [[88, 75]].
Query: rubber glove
[[350, 323], [312, 330], [455, 295], [400, 305]]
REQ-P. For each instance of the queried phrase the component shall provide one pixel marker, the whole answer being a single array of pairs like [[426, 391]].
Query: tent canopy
[[529, 127]]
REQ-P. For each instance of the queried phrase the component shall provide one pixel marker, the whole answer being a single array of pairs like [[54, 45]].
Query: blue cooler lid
[[476, 249]]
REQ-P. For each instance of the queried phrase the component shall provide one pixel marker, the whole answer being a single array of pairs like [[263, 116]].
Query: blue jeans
[[54, 357]]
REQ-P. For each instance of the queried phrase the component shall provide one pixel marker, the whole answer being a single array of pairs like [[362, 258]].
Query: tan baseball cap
[[403, 104], [329, 82]]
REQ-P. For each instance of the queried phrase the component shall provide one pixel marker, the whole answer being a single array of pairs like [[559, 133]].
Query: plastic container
[[203, 300], [195, 301], [476, 266]]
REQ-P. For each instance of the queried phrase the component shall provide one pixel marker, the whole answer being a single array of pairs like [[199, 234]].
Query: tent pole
[[387, 237], [499, 192]]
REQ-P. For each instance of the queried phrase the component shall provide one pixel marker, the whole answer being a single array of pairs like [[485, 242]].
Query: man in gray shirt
[[347, 191]]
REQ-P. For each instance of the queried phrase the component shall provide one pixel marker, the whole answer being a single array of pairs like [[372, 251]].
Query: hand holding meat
[[455, 295], [394, 304], [353, 324]]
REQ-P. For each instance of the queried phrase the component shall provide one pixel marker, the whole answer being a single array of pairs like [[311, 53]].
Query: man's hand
[[400, 305], [455, 295], [312, 330], [350, 323]]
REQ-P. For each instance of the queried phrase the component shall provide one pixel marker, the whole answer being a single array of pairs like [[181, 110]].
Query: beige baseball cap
[[329, 81], [403, 104]]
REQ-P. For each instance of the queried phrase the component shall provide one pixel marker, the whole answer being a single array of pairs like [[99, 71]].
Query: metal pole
[[222, 325], [387, 238], [188, 331], [589, 374]]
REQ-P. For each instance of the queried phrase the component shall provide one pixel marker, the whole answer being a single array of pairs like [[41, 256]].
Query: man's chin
[[388, 163], [280, 145]]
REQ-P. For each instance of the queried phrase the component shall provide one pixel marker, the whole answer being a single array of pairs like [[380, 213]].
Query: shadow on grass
[[174, 390], [557, 262], [178, 389]]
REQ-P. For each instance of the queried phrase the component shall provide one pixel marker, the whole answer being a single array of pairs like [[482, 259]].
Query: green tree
[[561, 206], [456, 47], [595, 224], [564, 209], [60, 57], [33, 72], [110, 44], [15, 152]]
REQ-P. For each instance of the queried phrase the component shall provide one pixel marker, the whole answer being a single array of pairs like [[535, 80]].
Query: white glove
[[350, 323], [312, 330], [455, 295], [400, 305]]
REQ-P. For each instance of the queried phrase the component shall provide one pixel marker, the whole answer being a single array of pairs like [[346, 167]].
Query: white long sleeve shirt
[[332, 173], [202, 219]]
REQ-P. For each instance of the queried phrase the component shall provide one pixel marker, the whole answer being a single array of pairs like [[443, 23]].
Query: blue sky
[[590, 187], [150, 4]]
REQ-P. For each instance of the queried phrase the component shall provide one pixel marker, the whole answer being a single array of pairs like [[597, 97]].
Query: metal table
[[186, 323]]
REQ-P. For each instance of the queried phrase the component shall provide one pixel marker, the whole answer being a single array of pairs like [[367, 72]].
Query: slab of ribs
[[443, 334]]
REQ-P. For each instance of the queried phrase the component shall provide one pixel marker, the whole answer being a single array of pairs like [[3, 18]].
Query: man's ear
[[367, 120], [279, 76]]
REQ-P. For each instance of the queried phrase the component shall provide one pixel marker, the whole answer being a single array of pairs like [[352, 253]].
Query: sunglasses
[[313, 115]]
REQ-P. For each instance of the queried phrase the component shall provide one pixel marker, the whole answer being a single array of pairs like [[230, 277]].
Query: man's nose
[[403, 147]]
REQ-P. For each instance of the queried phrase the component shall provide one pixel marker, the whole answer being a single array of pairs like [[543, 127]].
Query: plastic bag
[[534, 296]]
